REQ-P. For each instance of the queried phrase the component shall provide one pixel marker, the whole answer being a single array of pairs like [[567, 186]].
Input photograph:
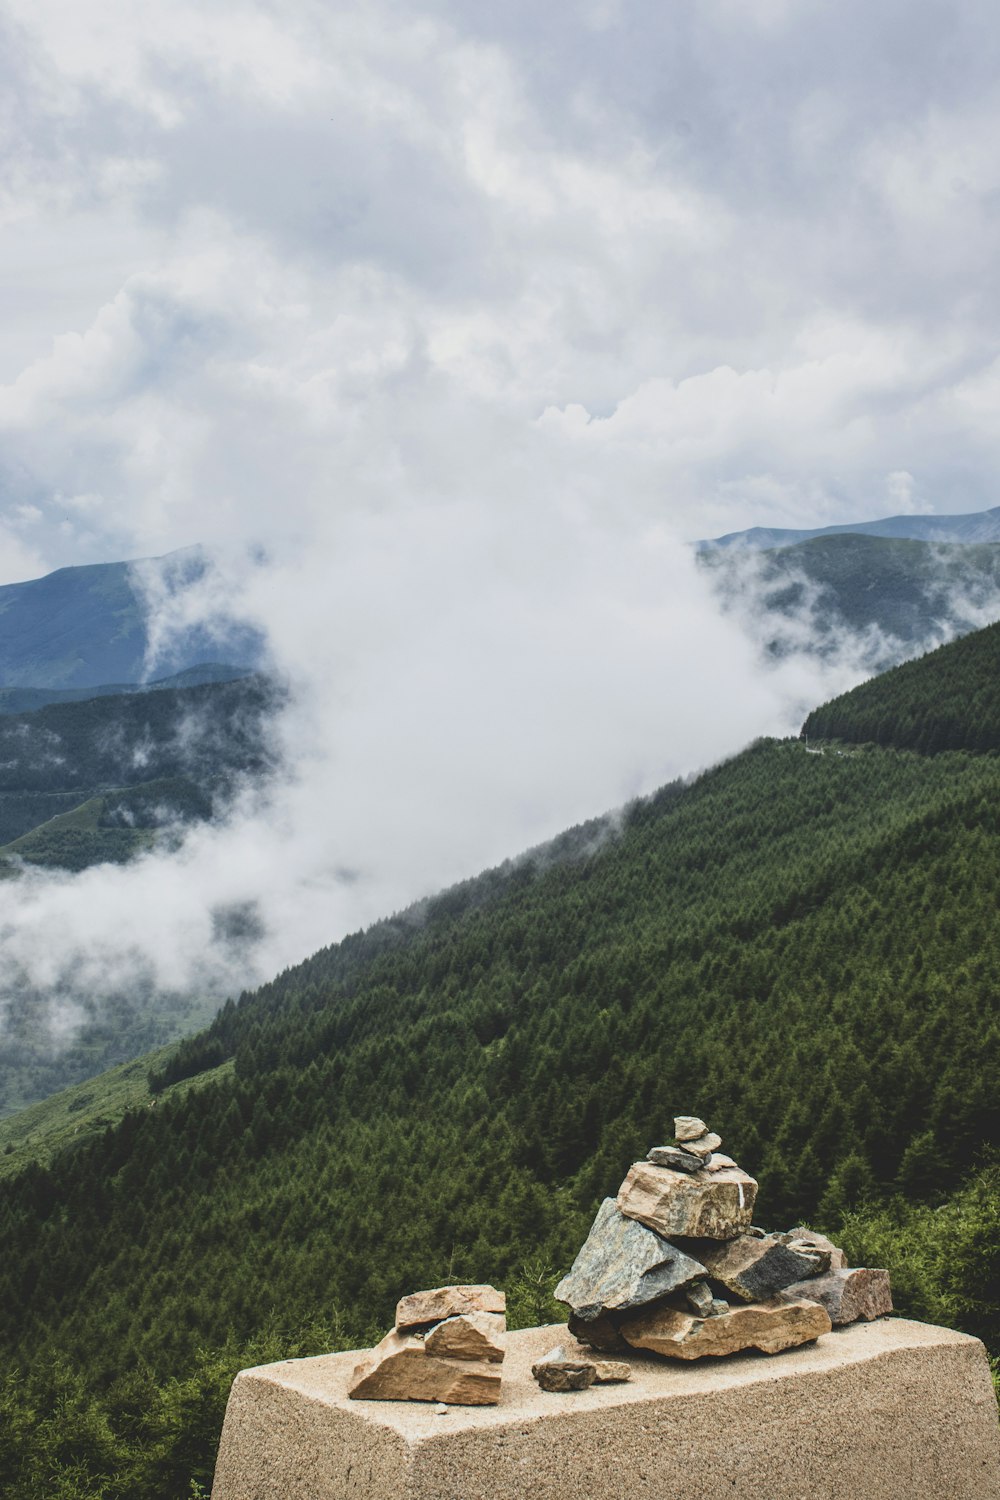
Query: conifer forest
[[801, 943]]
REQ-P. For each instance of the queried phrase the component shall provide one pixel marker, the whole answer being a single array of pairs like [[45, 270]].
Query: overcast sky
[[466, 318]]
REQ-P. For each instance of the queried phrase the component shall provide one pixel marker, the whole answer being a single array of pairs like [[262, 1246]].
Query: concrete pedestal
[[891, 1410]]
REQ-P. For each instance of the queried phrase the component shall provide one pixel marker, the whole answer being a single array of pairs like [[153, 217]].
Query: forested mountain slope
[[802, 949], [198, 739], [946, 700], [102, 781]]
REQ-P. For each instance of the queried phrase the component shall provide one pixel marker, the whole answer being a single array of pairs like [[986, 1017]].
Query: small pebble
[[440, 1410]]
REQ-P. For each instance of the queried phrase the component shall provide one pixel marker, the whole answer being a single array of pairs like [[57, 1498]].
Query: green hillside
[[137, 737], [947, 700], [189, 744], [802, 949], [113, 828], [68, 1118], [73, 840], [890, 593]]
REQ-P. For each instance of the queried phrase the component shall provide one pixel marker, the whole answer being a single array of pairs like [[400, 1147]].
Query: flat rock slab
[[709, 1205], [447, 1302], [675, 1157], [400, 1368], [622, 1265], [847, 1295], [891, 1410], [471, 1336], [768, 1326]]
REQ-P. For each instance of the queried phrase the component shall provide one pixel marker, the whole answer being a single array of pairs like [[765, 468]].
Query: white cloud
[[466, 316]]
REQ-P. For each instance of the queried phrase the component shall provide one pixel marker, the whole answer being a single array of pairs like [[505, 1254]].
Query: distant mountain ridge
[[888, 598], [981, 526], [87, 627], [23, 700]]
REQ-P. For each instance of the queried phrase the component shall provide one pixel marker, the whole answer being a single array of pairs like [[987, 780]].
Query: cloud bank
[[445, 330]]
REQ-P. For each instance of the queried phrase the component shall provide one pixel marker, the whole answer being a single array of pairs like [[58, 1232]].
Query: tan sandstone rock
[[704, 1145], [890, 1410], [611, 1372], [709, 1205], [768, 1326], [689, 1128], [471, 1336], [401, 1369], [447, 1302], [847, 1295]]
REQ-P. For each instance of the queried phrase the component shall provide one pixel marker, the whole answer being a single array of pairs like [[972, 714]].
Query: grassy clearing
[[76, 1114]]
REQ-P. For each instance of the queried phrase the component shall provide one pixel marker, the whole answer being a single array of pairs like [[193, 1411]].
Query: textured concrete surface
[[891, 1410]]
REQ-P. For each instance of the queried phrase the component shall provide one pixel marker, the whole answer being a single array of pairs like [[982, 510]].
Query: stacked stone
[[675, 1264], [447, 1345]]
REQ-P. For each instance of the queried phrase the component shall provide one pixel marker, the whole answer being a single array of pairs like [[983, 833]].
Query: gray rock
[[816, 1241], [623, 1265], [821, 1259], [699, 1299], [689, 1127], [847, 1295], [558, 1371], [601, 1333], [755, 1269], [719, 1306], [673, 1156]]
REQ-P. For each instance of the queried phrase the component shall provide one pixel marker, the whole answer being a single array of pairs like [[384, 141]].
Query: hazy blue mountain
[[86, 627], [882, 598], [982, 526]]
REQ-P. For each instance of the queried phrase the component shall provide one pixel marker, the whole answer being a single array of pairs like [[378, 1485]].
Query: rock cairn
[[447, 1346], [675, 1265]]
